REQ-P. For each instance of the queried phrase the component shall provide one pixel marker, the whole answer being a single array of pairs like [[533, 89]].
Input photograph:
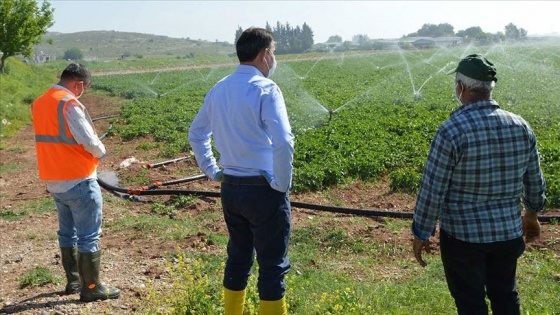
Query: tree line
[[471, 34], [288, 39]]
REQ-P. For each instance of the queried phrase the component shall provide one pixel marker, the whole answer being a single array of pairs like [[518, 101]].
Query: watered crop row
[[359, 117]]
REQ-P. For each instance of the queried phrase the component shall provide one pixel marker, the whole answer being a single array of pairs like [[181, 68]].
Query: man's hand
[[417, 246], [531, 226]]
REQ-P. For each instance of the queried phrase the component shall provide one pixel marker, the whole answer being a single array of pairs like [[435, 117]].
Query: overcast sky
[[218, 20]]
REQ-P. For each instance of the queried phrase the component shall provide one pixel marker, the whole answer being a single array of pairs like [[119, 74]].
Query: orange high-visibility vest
[[59, 156]]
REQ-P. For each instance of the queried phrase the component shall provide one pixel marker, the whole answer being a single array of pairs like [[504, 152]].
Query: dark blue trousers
[[474, 270], [258, 220]]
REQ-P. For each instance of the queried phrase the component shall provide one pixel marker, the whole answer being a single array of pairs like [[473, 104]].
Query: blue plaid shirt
[[482, 162]]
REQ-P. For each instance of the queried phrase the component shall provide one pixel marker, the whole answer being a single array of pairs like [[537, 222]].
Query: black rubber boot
[[92, 288], [69, 256]]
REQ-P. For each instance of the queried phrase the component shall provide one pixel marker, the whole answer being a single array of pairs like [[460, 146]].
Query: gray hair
[[483, 88]]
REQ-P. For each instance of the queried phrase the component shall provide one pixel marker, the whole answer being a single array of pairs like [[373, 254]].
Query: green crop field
[[358, 116]]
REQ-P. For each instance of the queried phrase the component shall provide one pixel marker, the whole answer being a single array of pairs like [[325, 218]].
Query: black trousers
[[258, 219], [474, 270]]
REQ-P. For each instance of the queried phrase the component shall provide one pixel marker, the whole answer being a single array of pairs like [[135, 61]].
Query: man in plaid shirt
[[482, 163]]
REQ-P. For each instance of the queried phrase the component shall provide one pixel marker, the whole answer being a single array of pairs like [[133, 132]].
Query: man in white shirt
[[68, 152], [246, 116]]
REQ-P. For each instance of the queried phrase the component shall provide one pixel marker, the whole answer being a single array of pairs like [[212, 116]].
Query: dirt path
[[281, 58]]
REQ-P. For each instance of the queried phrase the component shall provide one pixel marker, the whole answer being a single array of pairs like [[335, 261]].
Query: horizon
[[130, 32], [189, 19]]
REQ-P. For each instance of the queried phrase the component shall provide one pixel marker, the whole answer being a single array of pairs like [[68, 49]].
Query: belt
[[245, 180]]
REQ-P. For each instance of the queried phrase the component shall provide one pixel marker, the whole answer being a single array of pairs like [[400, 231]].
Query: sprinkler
[[417, 96], [331, 112]]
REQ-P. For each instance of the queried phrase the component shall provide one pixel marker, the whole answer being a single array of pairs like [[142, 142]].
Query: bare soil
[[129, 261]]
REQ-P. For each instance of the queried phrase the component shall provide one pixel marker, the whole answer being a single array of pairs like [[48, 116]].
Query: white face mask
[[273, 68], [83, 90]]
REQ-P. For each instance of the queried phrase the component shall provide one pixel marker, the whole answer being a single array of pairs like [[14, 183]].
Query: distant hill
[[112, 45]]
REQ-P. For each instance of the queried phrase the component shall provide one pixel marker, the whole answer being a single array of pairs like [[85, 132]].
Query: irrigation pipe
[[295, 204], [104, 117], [157, 184], [158, 192], [167, 162], [110, 126], [106, 132]]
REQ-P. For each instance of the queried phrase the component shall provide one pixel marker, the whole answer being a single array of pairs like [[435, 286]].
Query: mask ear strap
[[264, 56]]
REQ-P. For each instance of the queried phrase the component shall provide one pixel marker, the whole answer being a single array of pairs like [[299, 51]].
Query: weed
[[147, 146], [7, 168], [21, 212], [161, 209], [32, 235], [181, 201], [195, 289], [10, 215], [37, 277]]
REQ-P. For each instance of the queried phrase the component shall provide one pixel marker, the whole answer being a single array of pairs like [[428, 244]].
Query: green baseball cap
[[477, 67]]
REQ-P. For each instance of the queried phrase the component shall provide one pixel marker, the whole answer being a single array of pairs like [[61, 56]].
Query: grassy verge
[[340, 265], [20, 85]]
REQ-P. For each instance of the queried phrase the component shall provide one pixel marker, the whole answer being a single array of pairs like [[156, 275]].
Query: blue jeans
[[258, 220], [80, 211], [475, 270]]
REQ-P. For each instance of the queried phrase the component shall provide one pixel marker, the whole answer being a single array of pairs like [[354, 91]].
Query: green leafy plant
[[37, 277]]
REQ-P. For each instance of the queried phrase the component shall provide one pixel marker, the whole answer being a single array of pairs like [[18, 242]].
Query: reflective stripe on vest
[[62, 136]]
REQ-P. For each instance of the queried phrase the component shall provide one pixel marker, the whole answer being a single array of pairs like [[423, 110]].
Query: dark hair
[[76, 72], [251, 42]]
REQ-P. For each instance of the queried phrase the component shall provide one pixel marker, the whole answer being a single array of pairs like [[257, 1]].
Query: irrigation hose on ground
[[216, 194], [104, 117], [110, 125], [166, 162]]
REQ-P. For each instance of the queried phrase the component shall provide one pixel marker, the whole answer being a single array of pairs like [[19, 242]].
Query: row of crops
[[385, 108]]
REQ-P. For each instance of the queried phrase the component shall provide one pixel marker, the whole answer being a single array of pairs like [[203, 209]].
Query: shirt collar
[[474, 106], [247, 69], [60, 87]]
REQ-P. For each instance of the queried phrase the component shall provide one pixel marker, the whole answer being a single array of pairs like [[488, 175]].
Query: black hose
[[360, 212], [110, 126], [159, 192], [106, 133], [155, 185], [216, 194], [104, 117], [166, 162]]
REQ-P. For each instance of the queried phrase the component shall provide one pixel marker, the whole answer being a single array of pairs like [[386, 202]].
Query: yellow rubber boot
[[233, 302], [277, 307]]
